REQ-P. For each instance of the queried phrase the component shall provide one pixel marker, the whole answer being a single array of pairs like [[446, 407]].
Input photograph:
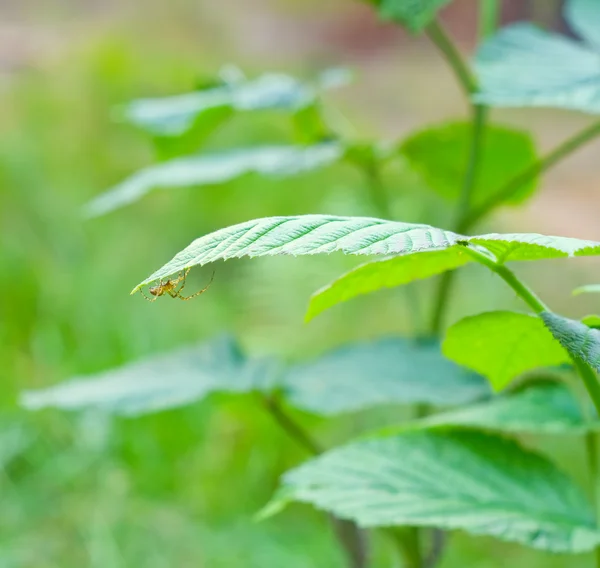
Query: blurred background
[[180, 488]]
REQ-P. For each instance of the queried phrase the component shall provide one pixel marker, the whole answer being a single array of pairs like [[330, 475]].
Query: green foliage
[[319, 234], [216, 168], [480, 483], [173, 116], [577, 338], [502, 345], [386, 371], [525, 66], [414, 14], [544, 407], [440, 155], [386, 273], [356, 376]]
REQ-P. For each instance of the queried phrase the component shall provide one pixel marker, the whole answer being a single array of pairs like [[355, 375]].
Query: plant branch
[[489, 15], [438, 35], [351, 538], [591, 446], [514, 185]]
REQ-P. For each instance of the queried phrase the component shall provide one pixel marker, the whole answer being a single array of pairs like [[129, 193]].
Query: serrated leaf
[[479, 483], [158, 383], [216, 168], [440, 155], [324, 234], [589, 289], [502, 345], [386, 273], [577, 338], [584, 18], [539, 408], [173, 116], [523, 66], [414, 14], [386, 371]]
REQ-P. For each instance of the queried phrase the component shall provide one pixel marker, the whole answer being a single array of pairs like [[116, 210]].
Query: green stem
[[586, 373], [438, 35], [515, 184], [489, 16], [351, 538], [591, 444]]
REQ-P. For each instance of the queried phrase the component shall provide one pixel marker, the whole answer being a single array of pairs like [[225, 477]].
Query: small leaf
[[440, 156], [584, 18], [479, 483], [386, 273], [173, 116], [591, 321], [502, 345], [589, 289], [206, 169], [324, 234], [158, 383], [539, 408], [386, 371], [523, 66], [577, 338], [414, 14]]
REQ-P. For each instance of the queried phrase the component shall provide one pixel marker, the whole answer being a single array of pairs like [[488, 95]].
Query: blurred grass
[[179, 488]]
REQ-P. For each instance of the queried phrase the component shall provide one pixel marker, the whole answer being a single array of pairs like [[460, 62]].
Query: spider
[[170, 287]]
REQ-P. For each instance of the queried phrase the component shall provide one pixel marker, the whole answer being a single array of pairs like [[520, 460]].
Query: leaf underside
[[467, 480]]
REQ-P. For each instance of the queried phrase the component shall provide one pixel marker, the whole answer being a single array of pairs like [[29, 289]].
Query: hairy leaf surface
[[324, 234], [216, 168], [577, 338], [502, 345], [440, 156], [479, 483]]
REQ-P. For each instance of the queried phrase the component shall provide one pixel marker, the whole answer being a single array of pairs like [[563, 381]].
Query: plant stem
[[351, 538], [511, 187], [438, 35], [489, 15], [591, 444]]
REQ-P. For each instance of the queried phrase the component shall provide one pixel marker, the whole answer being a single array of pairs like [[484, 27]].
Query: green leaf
[[173, 116], [158, 383], [386, 371], [320, 234], [539, 408], [386, 273], [591, 321], [589, 289], [216, 168], [502, 345], [479, 483], [523, 66], [440, 156], [577, 338], [584, 18], [414, 14]]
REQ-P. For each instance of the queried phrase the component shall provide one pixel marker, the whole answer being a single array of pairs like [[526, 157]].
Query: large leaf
[[502, 345], [172, 116], [540, 408], [525, 66], [577, 338], [479, 483], [387, 371], [215, 168], [166, 381], [414, 14], [386, 273], [440, 155], [356, 376], [319, 234]]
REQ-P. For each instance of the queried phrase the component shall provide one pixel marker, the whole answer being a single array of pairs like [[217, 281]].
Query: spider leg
[[178, 295], [182, 280], [147, 298]]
